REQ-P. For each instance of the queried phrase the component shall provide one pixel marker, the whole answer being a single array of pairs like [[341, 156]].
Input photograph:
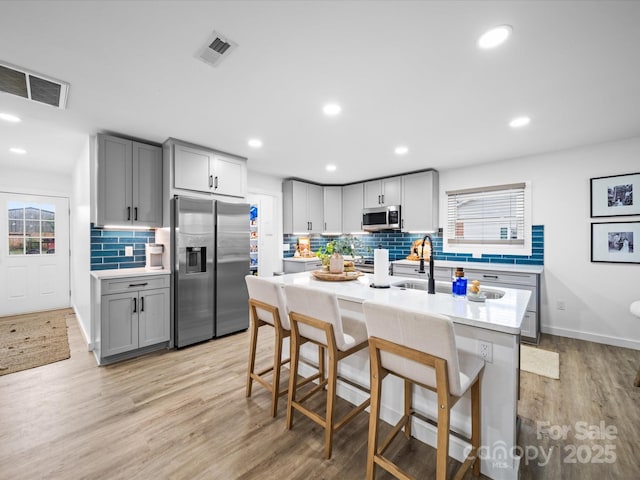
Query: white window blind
[[487, 216]]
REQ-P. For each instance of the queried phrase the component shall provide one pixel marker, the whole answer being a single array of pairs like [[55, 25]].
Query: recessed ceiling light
[[330, 168], [20, 151], [401, 150], [494, 37], [519, 122], [255, 143], [331, 109], [9, 118]]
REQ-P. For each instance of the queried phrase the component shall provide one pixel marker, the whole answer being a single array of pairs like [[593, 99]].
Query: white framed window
[[493, 219]]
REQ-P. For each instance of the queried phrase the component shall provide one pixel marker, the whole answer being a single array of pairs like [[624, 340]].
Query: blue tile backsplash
[[107, 248], [399, 245]]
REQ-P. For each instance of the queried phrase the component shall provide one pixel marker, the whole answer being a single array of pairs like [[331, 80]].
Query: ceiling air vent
[[33, 86], [217, 48]]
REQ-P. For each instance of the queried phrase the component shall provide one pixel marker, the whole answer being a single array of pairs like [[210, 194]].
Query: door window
[[32, 228]]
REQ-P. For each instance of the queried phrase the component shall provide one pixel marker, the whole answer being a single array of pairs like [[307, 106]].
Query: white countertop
[[496, 267], [127, 272], [502, 315]]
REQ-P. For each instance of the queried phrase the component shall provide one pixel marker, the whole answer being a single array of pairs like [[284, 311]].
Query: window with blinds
[[487, 216]]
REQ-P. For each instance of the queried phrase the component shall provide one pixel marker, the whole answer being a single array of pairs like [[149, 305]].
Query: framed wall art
[[615, 195], [614, 242]]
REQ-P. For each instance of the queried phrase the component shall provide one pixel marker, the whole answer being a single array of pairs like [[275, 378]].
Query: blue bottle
[[459, 286]]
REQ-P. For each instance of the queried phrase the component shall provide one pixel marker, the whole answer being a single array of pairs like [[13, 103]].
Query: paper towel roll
[[381, 267]]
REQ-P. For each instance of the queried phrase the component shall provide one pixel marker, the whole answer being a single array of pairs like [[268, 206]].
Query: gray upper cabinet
[[302, 207], [387, 191], [332, 209], [352, 204], [420, 194], [204, 170], [129, 183]]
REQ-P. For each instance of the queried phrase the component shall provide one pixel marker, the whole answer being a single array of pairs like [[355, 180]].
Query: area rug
[[32, 340], [540, 362]]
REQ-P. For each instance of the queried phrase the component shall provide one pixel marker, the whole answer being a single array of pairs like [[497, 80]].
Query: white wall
[[597, 295], [19, 180], [81, 240]]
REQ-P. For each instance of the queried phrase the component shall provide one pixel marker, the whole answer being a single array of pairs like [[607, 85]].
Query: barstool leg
[[332, 375], [475, 424], [443, 442], [374, 414], [252, 354], [277, 361], [293, 372], [408, 392]]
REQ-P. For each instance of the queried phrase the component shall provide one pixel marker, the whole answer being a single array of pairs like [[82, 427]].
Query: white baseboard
[[85, 335], [591, 337]]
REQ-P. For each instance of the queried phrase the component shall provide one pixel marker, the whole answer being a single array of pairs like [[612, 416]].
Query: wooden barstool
[[635, 310], [267, 307], [421, 349], [315, 317]]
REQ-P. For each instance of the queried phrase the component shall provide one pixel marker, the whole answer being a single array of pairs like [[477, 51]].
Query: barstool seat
[[420, 348], [267, 306], [315, 317]]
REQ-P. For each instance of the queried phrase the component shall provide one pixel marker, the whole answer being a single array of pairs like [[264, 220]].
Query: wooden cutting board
[[335, 277]]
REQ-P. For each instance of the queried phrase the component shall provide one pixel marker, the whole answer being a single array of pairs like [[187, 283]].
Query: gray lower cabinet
[[134, 314], [296, 266], [442, 274], [129, 183], [530, 329]]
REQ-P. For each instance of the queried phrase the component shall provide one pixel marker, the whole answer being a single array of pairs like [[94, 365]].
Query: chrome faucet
[[432, 282]]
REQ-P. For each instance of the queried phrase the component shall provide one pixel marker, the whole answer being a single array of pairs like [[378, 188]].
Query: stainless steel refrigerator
[[210, 257]]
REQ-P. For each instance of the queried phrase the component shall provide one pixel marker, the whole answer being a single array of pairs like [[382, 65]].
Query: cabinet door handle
[[383, 198], [215, 183], [403, 223], [135, 305], [128, 213], [495, 277], [142, 304], [325, 226], [378, 199], [210, 181], [135, 213], [138, 284]]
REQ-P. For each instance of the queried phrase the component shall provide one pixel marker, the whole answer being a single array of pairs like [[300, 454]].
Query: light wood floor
[[183, 415]]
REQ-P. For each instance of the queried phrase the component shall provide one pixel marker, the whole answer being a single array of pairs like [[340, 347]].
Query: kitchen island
[[493, 325]]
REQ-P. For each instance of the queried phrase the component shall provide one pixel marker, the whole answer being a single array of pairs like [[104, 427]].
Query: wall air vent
[[33, 86], [217, 48]]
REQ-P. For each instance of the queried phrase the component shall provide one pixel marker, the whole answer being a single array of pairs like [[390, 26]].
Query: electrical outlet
[[128, 251], [485, 350], [285, 247], [561, 305]]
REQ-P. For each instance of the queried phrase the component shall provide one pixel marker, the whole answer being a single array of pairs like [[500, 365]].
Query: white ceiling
[[405, 72]]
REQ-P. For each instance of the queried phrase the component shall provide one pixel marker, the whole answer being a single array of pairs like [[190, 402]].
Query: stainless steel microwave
[[381, 218]]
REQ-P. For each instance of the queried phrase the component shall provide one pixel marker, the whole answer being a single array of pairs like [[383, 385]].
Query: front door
[[34, 253]]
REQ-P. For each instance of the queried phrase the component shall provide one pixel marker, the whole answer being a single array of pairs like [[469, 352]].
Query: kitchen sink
[[441, 287], [445, 287]]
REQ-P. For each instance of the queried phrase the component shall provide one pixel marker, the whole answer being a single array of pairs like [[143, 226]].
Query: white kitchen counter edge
[[127, 272], [504, 315], [496, 267]]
